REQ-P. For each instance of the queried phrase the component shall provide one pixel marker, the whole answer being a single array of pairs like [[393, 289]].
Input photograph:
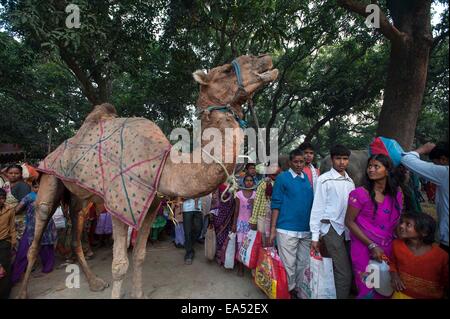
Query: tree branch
[[86, 85], [437, 40], [386, 28]]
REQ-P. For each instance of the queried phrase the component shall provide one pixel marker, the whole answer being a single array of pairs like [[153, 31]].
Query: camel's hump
[[119, 159]]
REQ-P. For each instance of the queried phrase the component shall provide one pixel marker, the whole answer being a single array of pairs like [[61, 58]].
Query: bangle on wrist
[[372, 246]]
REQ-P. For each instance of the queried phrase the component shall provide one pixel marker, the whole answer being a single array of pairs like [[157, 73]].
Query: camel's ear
[[201, 77]]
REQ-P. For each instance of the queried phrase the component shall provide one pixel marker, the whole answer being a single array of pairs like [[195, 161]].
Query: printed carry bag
[[318, 279], [230, 251], [249, 249], [270, 274]]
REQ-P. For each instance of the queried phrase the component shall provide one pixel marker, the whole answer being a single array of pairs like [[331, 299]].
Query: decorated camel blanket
[[119, 159]]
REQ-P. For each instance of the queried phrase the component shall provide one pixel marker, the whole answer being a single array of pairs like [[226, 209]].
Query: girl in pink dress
[[372, 216], [242, 214]]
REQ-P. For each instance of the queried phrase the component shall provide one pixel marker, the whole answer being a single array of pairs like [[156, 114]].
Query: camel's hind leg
[[139, 252], [120, 258], [48, 199], [78, 218]]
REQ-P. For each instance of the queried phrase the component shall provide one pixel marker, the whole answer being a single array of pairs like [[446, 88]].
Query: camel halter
[[237, 71], [231, 179], [232, 186], [227, 108]]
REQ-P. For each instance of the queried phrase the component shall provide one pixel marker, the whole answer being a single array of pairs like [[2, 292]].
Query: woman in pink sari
[[372, 216]]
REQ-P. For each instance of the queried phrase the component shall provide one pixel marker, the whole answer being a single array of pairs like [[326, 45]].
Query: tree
[[411, 41], [139, 55], [112, 38], [433, 122], [40, 102]]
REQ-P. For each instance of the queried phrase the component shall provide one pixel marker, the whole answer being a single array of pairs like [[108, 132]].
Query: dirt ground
[[166, 276]]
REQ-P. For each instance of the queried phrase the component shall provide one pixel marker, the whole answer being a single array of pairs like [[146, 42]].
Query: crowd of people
[[17, 223], [299, 210]]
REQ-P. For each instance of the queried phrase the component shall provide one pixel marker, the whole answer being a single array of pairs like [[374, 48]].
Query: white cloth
[[59, 219], [314, 175], [296, 234], [206, 204], [294, 174], [2, 181], [330, 202], [189, 205]]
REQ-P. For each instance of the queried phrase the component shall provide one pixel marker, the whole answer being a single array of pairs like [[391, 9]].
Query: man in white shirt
[[328, 217]]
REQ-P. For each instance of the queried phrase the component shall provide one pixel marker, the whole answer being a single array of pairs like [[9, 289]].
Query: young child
[[419, 268], [262, 214], [309, 169], [242, 214]]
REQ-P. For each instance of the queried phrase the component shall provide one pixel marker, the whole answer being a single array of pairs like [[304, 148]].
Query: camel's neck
[[221, 137]]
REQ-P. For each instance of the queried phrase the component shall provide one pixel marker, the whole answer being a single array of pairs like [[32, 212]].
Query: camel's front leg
[[78, 218], [139, 254], [120, 257], [48, 198]]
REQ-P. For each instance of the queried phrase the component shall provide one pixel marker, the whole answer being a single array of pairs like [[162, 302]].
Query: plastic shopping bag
[[230, 251], [59, 219], [383, 287], [249, 249], [270, 274], [318, 279]]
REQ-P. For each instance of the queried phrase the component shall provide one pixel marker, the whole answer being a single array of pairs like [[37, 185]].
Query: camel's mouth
[[268, 76], [266, 72]]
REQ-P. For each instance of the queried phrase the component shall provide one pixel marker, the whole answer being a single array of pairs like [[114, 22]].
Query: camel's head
[[223, 86]]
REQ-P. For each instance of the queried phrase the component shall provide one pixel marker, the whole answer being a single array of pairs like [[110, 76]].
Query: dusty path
[[165, 275]]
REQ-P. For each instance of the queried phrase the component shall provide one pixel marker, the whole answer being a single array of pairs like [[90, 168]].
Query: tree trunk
[[407, 72]]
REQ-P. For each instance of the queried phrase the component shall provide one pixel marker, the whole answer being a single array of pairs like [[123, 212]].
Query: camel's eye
[[227, 68]]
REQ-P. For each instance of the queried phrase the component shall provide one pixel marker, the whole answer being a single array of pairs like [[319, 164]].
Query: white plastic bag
[[383, 285], [318, 279], [59, 219], [230, 251]]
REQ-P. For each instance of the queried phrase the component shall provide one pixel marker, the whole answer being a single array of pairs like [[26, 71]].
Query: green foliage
[[139, 55]]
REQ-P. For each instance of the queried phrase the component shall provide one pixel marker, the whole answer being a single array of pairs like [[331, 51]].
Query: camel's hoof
[[22, 295], [137, 295], [98, 284], [123, 295]]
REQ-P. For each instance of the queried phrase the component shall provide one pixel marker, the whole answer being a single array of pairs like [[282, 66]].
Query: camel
[[223, 90]]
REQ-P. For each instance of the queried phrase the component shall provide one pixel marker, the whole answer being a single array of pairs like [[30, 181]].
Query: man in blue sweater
[[292, 199]]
